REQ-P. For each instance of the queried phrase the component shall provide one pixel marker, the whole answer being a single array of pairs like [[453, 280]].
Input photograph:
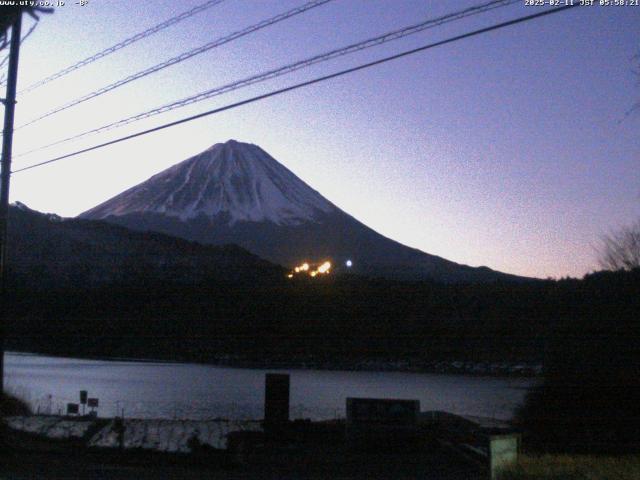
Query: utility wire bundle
[[301, 64], [182, 57], [125, 43], [268, 75]]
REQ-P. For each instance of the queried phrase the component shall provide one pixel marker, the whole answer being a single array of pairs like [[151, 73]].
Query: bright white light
[[348, 263], [324, 268]]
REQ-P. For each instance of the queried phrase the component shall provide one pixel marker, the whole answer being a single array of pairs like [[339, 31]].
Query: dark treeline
[[590, 398], [341, 318], [48, 252]]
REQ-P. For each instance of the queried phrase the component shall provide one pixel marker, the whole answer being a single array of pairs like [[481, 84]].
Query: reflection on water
[[183, 390]]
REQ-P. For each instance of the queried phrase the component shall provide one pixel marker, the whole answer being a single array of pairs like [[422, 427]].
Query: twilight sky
[[511, 149]]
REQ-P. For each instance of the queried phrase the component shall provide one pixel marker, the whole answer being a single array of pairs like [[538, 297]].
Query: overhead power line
[[182, 57], [303, 84], [2, 63], [371, 42], [29, 32], [125, 43]]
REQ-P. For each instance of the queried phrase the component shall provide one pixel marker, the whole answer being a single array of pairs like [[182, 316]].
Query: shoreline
[[441, 367]]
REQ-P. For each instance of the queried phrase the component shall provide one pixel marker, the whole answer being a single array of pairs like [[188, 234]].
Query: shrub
[[578, 467], [589, 401], [10, 405]]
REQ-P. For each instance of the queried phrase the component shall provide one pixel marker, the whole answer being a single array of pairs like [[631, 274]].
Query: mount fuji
[[237, 193]]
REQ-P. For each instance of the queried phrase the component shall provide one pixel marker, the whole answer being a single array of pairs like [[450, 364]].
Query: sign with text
[[92, 402]]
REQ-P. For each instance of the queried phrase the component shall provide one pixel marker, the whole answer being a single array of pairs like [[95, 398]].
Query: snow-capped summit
[[237, 193], [238, 180]]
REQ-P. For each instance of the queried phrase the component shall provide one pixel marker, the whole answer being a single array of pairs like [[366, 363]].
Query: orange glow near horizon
[[323, 269]]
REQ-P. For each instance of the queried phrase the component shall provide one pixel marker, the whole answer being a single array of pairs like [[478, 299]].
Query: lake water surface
[[185, 390]]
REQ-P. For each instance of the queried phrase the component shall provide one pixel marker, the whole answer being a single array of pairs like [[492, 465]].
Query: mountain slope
[[49, 251], [240, 181], [237, 193]]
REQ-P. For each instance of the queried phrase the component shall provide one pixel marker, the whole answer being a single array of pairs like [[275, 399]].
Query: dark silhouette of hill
[[46, 251], [151, 296]]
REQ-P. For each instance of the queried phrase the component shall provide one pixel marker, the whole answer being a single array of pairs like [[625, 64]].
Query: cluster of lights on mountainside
[[323, 268]]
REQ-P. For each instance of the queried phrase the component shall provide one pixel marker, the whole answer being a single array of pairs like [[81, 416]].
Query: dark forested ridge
[[343, 319], [46, 251], [152, 296]]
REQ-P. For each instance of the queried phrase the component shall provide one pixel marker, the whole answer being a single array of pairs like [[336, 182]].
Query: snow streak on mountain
[[237, 179]]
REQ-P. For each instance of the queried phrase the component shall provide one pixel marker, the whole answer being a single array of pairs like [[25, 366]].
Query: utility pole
[[5, 176]]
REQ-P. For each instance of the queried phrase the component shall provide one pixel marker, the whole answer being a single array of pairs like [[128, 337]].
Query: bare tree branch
[[621, 250], [8, 16]]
